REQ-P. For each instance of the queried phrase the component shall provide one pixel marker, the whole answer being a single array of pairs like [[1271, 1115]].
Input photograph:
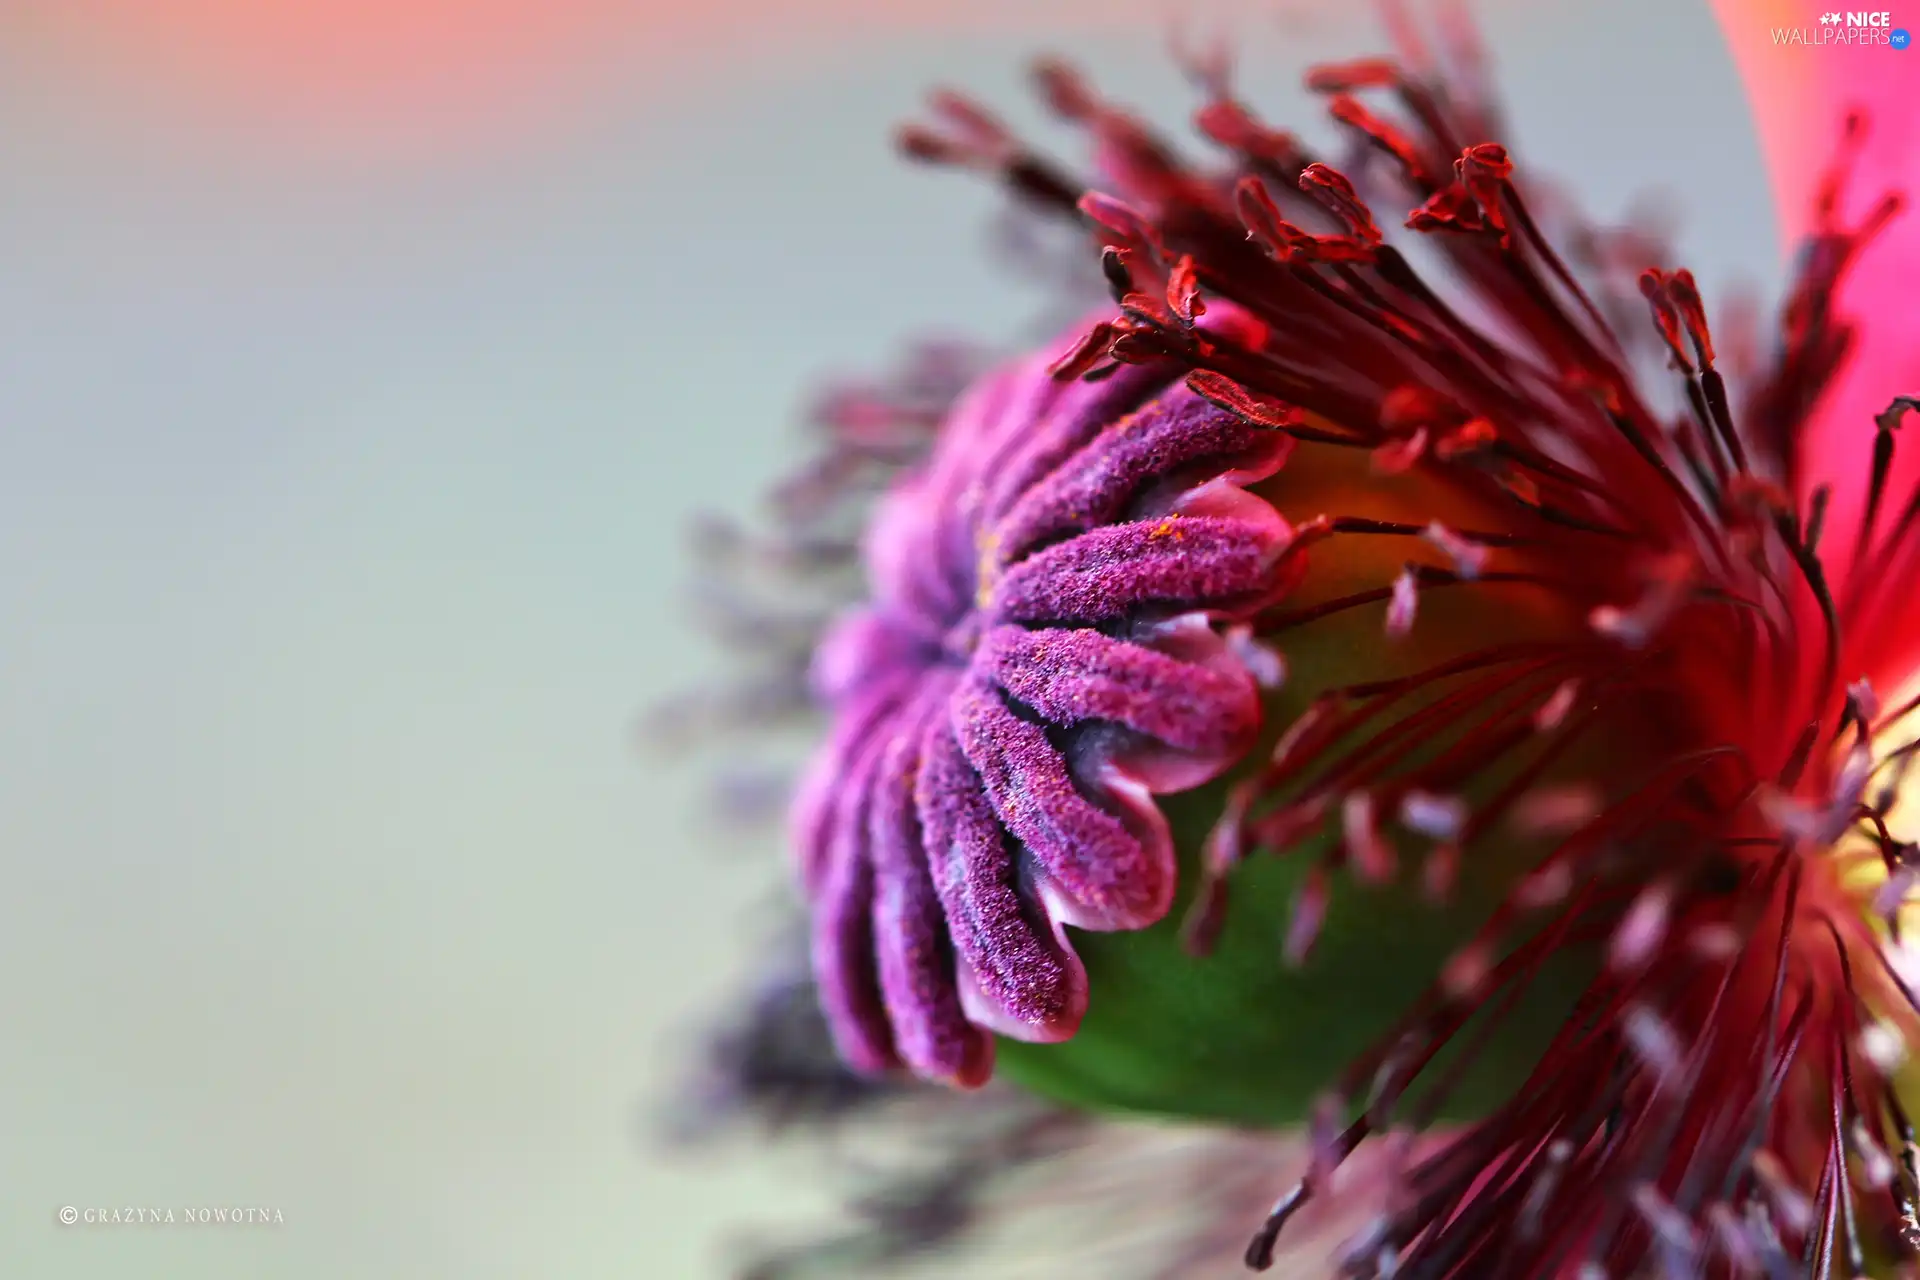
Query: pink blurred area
[[382, 75], [391, 77], [1799, 97]]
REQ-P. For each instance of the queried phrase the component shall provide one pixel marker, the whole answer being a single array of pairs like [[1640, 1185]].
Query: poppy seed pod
[[1388, 668]]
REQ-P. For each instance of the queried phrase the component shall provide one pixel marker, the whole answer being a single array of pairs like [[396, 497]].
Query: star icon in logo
[[1829, 19]]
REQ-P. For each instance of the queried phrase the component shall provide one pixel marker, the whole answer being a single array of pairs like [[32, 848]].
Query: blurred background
[[362, 365]]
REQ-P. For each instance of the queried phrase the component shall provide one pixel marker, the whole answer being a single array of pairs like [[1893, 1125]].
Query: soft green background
[[339, 544]]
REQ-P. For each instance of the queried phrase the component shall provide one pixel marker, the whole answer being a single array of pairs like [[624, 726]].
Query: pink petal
[[1799, 96]]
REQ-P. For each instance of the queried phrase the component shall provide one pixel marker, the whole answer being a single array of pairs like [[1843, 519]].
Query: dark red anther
[[1484, 171], [1390, 139], [1816, 517], [1261, 410], [1234, 127], [1291, 244], [1183, 291], [1693, 314], [1485, 162], [1147, 310], [1262, 218], [1065, 91], [1448, 209], [1120, 218], [966, 135], [917, 142], [1135, 345], [1889, 420], [1345, 77], [1088, 352], [1331, 188], [969, 119], [1654, 287]]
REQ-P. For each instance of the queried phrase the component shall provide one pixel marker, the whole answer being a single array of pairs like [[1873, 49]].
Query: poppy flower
[[1398, 677]]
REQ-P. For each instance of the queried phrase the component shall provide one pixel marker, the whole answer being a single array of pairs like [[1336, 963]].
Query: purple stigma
[[1041, 655]]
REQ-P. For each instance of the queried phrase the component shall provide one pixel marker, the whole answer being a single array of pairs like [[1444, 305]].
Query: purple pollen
[[1042, 654]]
